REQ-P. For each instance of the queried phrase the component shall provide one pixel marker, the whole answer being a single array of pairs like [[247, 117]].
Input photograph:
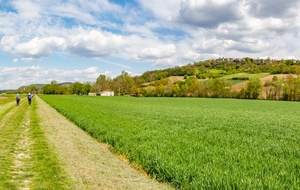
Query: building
[[107, 93]]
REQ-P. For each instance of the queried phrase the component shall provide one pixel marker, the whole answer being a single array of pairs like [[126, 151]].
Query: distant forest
[[216, 78]]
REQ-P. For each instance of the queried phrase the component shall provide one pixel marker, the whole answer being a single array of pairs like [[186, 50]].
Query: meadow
[[197, 143], [235, 78]]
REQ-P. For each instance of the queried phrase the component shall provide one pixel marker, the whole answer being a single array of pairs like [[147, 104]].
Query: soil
[[89, 163]]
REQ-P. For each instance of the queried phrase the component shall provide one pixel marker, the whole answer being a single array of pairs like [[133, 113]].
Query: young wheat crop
[[197, 143]]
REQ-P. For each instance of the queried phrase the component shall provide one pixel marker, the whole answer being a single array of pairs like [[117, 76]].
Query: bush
[[240, 78]]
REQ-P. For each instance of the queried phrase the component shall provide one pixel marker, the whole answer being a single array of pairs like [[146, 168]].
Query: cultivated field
[[197, 143]]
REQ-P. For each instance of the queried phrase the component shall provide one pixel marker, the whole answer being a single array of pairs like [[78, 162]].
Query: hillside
[[223, 78]]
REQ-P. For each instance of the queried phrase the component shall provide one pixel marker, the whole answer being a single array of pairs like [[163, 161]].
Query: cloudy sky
[[77, 40]]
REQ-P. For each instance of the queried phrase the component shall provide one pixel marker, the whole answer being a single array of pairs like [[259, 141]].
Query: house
[[107, 93]]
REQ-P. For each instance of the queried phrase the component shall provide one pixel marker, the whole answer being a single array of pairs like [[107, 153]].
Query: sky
[[77, 40]]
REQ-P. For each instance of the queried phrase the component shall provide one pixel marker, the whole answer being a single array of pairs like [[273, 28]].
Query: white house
[[107, 93]]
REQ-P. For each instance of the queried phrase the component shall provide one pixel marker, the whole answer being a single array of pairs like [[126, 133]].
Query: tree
[[52, 88], [160, 90], [87, 88], [218, 88], [176, 90], [253, 88], [77, 88], [123, 83], [101, 84]]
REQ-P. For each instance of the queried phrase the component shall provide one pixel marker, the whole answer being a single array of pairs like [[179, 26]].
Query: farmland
[[197, 143]]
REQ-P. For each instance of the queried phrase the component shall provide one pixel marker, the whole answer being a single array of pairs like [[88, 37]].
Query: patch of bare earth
[[89, 163], [279, 76]]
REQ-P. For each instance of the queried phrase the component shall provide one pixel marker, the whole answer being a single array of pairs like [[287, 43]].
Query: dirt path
[[89, 163]]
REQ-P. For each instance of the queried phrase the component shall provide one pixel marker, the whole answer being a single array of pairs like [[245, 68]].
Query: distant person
[[18, 99], [29, 98]]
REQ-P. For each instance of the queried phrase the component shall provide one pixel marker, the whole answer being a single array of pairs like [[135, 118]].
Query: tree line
[[198, 81]]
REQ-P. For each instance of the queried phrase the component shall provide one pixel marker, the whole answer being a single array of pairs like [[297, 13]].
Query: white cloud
[[208, 13], [14, 77], [165, 63], [191, 56], [39, 47], [92, 43], [162, 51], [8, 42], [73, 11], [95, 44], [167, 9], [27, 9]]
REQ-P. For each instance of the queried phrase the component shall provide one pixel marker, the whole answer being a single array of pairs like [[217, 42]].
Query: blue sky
[[77, 40]]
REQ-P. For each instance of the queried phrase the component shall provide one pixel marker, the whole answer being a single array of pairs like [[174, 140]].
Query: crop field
[[197, 143], [247, 75]]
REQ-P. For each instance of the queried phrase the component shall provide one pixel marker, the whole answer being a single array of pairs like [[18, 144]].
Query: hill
[[38, 86]]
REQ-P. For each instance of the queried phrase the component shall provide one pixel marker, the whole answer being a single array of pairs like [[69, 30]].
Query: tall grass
[[197, 143]]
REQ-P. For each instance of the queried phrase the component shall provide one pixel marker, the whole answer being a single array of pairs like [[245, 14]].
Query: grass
[[26, 161], [248, 75], [5, 98], [197, 143], [49, 174], [9, 136], [216, 71], [229, 78]]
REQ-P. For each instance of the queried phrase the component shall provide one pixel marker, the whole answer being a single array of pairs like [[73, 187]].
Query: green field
[[197, 143], [250, 76], [230, 79]]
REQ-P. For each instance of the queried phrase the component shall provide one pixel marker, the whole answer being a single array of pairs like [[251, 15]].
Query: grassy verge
[[9, 136], [26, 160], [48, 173]]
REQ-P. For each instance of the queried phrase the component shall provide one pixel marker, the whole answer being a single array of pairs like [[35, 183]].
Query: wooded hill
[[223, 77]]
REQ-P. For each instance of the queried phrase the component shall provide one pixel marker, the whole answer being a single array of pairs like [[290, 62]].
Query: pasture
[[197, 143], [246, 75]]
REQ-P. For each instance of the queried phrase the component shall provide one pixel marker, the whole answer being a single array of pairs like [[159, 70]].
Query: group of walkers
[[18, 98]]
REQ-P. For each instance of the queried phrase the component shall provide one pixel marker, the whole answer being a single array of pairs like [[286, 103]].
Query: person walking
[[18, 99], [29, 98]]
